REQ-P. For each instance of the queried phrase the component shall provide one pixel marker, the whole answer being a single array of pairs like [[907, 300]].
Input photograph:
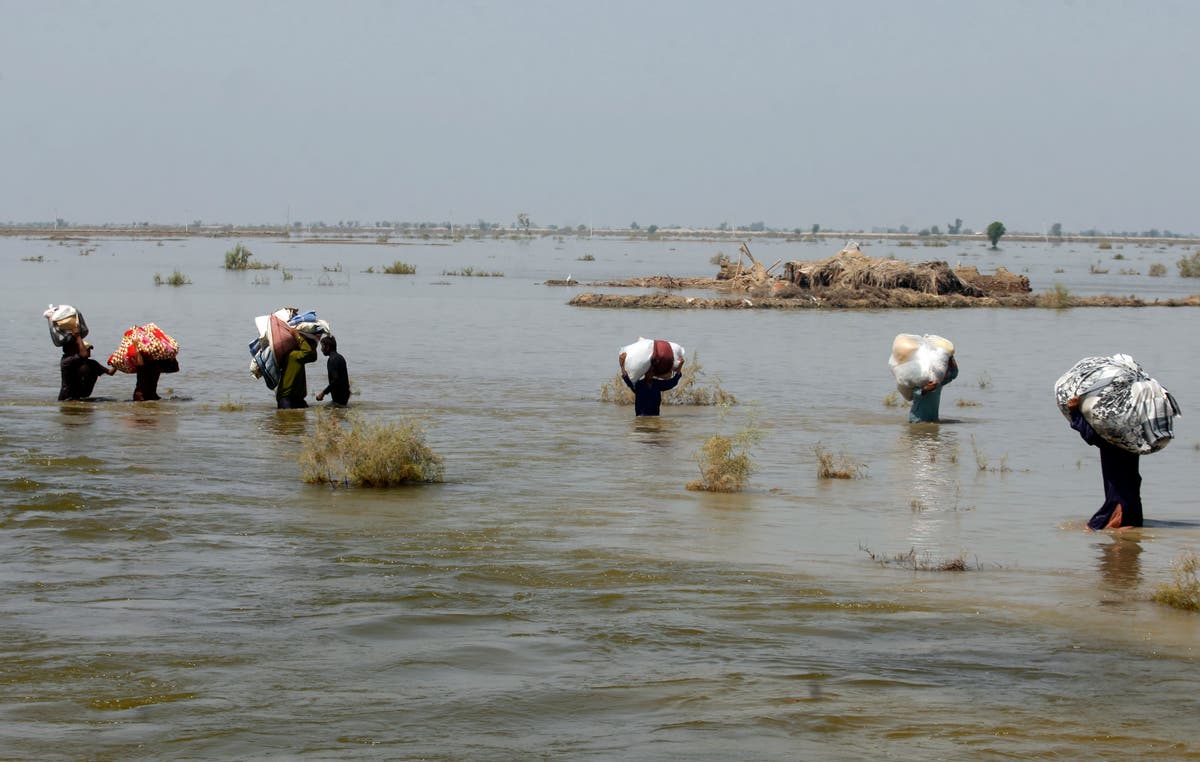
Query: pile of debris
[[852, 269]]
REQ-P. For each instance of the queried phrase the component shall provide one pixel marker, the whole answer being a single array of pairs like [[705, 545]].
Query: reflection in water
[[932, 457], [653, 430], [1119, 563], [147, 416], [285, 423]]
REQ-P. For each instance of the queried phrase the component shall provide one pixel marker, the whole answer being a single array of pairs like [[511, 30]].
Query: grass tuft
[[1157, 270], [229, 406], [174, 279], [1183, 592], [892, 399], [839, 466], [1057, 298], [1189, 267], [346, 450]]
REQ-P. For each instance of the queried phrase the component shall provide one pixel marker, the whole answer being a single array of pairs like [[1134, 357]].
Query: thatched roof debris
[[1001, 282], [850, 268]]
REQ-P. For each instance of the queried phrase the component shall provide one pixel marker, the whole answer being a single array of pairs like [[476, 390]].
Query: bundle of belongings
[[653, 357], [917, 360], [1122, 403], [141, 343], [66, 323], [269, 351]]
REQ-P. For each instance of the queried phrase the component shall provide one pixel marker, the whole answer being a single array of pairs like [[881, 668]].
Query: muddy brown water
[[172, 589]]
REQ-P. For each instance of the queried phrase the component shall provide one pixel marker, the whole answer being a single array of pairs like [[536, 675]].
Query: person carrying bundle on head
[[922, 365], [77, 369], [656, 366]]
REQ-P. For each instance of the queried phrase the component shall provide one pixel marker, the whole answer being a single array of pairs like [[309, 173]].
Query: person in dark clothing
[[293, 385], [339, 380], [148, 371], [647, 392], [1122, 506], [79, 371]]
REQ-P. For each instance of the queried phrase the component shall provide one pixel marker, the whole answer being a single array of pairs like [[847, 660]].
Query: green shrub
[[238, 258], [400, 268], [357, 453], [174, 279], [1189, 267]]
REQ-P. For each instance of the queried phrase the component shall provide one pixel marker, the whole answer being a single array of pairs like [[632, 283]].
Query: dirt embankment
[[851, 280]]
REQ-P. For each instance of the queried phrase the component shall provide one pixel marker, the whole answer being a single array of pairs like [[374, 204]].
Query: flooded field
[[173, 590]]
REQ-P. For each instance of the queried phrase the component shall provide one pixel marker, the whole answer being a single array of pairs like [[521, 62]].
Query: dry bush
[[892, 399], [1184, 591], [692, 389], [1189, 267], [724, 461], [1057, 298], [346, 450], [1157, 270], [840, 466], [969, 403]]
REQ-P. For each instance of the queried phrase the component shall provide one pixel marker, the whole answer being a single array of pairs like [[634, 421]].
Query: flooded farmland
[[174, 590]]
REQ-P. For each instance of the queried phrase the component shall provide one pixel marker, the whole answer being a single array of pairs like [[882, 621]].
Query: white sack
[[639, 353], [917, 360]]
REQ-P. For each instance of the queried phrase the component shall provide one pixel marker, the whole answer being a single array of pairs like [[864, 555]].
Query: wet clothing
[[147, 378], [293, 384], [925, 404], [339, 381], [1122, 482], [79, 373], [647, 393]]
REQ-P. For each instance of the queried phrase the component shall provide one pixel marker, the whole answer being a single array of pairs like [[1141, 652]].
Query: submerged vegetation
[[914, 561], [352, 452], [1183, 592], [467, 272], [174, 279], [725, 462], [693, 389], [1057, 298], [839, 466]]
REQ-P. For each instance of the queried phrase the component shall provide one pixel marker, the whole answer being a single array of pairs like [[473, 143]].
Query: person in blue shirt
[[1122, 506], [647, 391], [927, 398]]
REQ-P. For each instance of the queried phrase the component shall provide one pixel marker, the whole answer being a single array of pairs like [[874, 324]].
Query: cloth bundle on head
[[148, 340], [655, 357], [275, 340], [917, 360], [1124, 405], [65, 322]]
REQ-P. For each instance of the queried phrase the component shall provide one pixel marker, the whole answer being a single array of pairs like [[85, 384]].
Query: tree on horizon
[[994, 231]]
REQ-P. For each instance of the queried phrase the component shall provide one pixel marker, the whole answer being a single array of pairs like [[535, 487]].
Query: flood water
[[172, 589]]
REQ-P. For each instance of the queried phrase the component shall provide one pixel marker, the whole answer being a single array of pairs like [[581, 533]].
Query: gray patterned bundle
[[1121, 402]]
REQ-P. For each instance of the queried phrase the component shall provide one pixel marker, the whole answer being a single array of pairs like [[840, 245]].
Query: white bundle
[[917, 360], [639, 354]]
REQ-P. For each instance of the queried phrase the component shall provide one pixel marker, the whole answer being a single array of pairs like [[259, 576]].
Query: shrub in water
[[1189, 267], [237, 258], [349, 451], [840, 466], [1184, 591], [174, 279], [400, 268], [725, 464]]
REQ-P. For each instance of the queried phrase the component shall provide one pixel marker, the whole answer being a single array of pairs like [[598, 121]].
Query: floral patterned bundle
[[148, 340]]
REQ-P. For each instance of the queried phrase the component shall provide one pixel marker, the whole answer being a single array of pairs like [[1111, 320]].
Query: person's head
[[328, 345]]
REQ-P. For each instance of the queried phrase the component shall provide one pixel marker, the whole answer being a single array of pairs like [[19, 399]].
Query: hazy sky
[[847, 114]]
